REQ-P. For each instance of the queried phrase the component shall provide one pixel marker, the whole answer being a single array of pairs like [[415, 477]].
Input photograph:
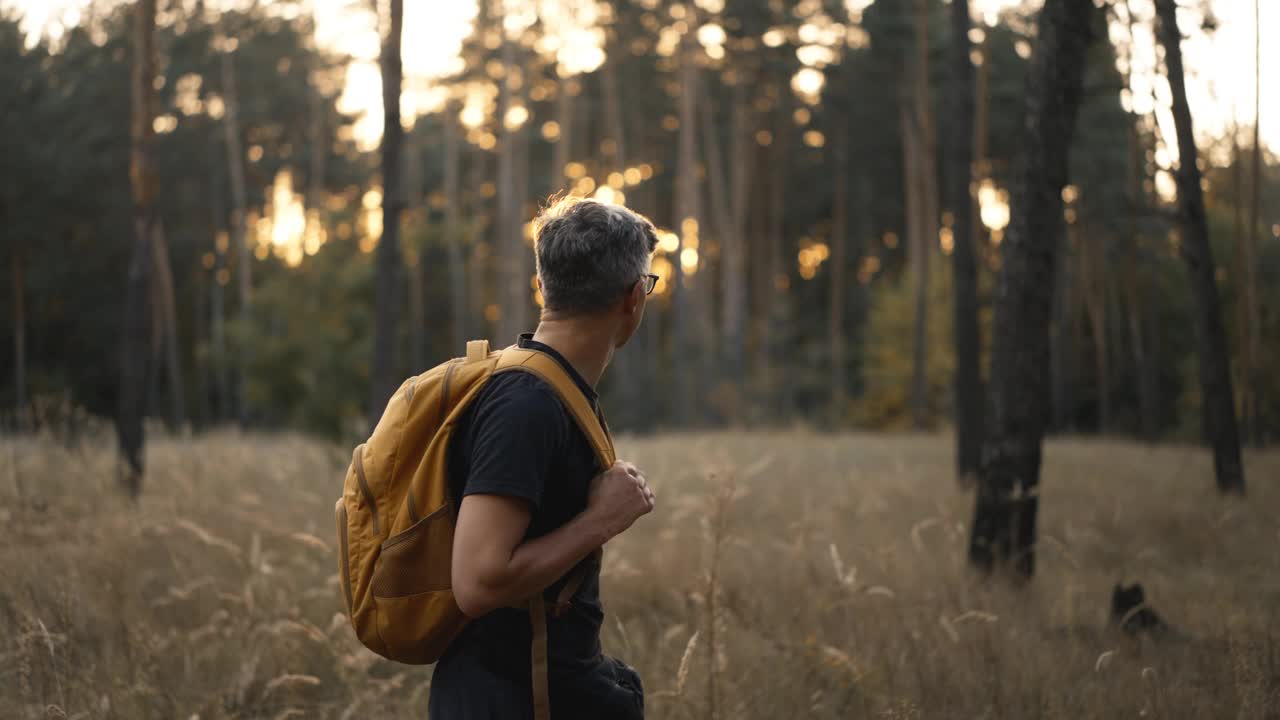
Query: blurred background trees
[[832, 213]]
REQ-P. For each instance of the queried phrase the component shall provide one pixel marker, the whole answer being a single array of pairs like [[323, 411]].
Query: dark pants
[[466, 688]]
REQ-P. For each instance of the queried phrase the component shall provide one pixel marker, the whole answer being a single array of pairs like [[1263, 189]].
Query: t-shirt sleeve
[[515, 435]]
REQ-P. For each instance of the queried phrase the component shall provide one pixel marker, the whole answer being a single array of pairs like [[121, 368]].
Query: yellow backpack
[[396, 519]]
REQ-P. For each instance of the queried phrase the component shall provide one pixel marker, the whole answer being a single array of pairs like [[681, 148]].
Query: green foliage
[[309, 340], [887, 354]]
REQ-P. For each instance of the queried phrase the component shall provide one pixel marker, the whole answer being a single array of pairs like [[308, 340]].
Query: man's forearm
[[538, 563]]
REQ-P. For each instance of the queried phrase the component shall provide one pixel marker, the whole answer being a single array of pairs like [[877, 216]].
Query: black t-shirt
[[517, 439]]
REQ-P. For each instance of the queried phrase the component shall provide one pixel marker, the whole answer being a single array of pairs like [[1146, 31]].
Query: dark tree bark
[[508, 245], [1217, 403], [1062, 339], [687, 217], [1252, 375], [1004, 525], [1093, 281], [386, 291], [168, 318], [836, 262], [564, 141], [968, 373], [217, 294], [453, 233], [239, 209], [774, 356], [136, 324], [733, 249], [19, 332], [414, 261], [922, 148]]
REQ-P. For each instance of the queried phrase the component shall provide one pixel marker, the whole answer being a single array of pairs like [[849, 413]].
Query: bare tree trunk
[[1062, 339], [564, 143], [481, 257], [319, 155], [1135, 301], [244, 267], [968, 373], [925, 175], [388, 262], [1093, 274], [686, 220], [837, 262], [1004, 526], [134, 355], [217, 305], [778, 310], [981, 165], [19, 332], [507, 243], [1215, 377], [526, 319], [733, 247], [414, 260], [1253, 381], [453, 233], [163, 277], [628, 361]]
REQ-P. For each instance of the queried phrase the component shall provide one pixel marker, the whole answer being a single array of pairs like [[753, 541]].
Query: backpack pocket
[[344, 558], [417, 616]]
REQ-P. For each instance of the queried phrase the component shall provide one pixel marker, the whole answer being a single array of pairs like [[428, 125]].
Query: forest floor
[[833, 566]]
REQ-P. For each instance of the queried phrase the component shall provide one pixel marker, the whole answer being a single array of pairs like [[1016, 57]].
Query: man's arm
[[492, 568]]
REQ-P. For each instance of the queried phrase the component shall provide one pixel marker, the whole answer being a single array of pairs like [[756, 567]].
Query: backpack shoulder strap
[[515, 359]]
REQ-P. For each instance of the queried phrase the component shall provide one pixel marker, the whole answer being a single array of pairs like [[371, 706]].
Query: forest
[[797, 155], [913, 256]]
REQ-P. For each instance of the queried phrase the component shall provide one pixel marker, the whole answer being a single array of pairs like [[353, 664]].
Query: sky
[[1220, 66]]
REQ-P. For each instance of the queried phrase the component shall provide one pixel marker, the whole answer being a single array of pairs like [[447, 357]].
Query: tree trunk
[[163, 277], [1004, 526], [1253, 381], [1135, 301], [837, 262], [687, 225], [1219, 415], [244, 267], [981, 166], [136, 325], [414, 258], [564, 141], [1062, 338], [19, 333], [217, 295], [968, 373], [507, 243], [480, 220], [1093, 275], [733, 238], [453, 234], [925, 175], [388, 262], [775, 353]]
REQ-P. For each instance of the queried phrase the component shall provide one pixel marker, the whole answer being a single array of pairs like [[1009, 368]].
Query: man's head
[[593, 261]]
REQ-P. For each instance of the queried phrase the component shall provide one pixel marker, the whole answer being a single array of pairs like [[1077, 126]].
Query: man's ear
[[633, 298]]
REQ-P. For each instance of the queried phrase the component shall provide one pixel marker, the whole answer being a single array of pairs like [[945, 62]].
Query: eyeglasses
[[650, 282]]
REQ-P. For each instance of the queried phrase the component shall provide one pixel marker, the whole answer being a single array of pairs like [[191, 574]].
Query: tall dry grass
[[783, 575]]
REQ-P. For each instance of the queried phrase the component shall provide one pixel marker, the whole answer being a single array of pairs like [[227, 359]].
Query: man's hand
[[618, 497]]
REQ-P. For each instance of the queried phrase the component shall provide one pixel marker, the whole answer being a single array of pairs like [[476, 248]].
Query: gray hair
[[590, 253]]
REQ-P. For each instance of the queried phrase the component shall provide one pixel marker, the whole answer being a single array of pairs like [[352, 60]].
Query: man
[[530, 506]]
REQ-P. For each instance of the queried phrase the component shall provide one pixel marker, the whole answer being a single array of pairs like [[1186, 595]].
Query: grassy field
[[823, 575]]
